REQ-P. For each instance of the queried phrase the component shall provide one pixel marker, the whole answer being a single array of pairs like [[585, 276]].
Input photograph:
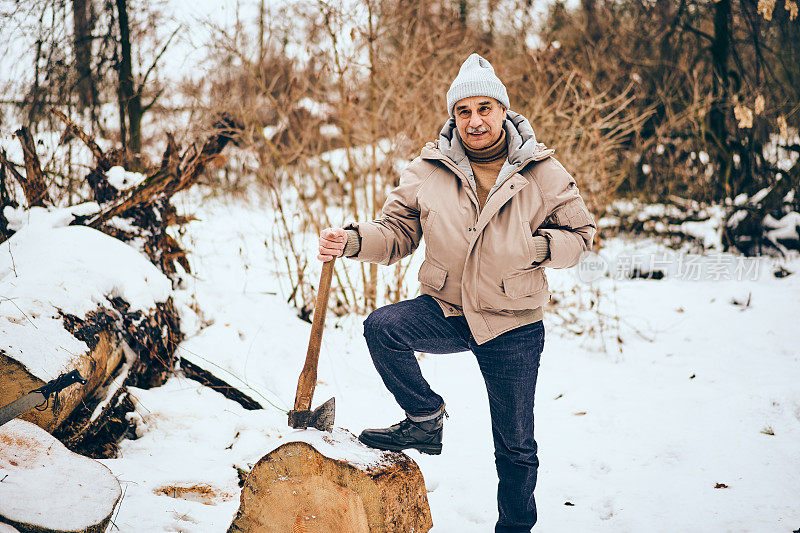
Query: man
[[495, 208]]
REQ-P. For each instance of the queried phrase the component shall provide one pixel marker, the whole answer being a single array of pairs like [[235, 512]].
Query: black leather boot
[[424, 436]]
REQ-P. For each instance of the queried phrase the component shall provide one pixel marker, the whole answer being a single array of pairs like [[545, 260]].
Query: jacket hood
[[522, 148]]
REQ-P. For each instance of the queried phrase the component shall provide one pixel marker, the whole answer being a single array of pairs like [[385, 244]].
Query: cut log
[[95, 427], [312, 487], [47, 488], [17, 381]]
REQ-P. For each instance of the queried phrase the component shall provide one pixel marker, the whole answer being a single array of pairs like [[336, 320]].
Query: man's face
[[479, 120]]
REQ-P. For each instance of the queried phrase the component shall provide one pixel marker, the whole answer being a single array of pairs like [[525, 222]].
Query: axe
[[322, 417]]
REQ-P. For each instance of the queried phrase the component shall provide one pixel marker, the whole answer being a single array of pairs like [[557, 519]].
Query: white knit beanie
[[476, 78]]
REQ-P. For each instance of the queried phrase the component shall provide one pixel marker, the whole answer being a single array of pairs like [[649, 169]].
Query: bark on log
[[99, 363], [48, 489], [207, 378], [150, 342], [295, 488]]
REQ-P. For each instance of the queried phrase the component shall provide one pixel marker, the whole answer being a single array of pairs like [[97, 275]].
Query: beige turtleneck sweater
[[486, 164]]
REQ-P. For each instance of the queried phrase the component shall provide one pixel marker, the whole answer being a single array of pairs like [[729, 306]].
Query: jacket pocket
[[527, 234], [524, 283], [428, 222], [432, 276]]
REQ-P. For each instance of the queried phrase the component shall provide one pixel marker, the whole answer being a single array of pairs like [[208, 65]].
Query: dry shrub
[[374, 88]]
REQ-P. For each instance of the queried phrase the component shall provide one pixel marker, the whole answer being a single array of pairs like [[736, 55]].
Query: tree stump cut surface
[[48, 489], [297, 489]]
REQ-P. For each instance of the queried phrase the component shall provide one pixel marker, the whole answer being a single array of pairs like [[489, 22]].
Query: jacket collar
[[522, 149]]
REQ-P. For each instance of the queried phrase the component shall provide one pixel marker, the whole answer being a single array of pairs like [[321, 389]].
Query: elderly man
[[495, 208]]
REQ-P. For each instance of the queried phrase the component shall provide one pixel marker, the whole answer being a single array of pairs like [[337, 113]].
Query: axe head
[[320, 418]]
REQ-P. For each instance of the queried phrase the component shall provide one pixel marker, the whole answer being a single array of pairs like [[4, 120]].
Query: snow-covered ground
[[671, 391]]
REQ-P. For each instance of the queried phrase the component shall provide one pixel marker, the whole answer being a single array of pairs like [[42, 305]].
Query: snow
[[122, 180], [758, 196], [776, 153], [787, 227], [48, 268], [116, 383], [708, 231], [340, 444], [43, 219], [35, 469], [680, 381]]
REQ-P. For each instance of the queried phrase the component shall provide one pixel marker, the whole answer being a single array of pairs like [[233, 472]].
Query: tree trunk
[[297, 488], [129, 96], [720, 53], [592, 24], [83, 23], [463, 12]]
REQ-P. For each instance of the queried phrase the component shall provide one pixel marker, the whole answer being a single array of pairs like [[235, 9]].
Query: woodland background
[[690, 103], [165, 169]]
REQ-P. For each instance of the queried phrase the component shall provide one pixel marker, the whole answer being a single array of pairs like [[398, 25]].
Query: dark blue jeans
[[509, 364]]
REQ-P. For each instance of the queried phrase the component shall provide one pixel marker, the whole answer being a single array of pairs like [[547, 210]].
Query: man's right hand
[[331, 243]]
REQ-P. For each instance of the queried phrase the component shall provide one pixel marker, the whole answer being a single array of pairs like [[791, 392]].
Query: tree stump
[[326, 486], [46, 488]]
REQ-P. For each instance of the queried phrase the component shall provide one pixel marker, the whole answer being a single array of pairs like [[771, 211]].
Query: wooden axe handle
[[308, 377]]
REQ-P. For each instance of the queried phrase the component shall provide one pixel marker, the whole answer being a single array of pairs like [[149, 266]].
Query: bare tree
[[83, 23]]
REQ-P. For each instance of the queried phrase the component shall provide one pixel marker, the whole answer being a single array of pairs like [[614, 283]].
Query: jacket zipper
[[449, 164]]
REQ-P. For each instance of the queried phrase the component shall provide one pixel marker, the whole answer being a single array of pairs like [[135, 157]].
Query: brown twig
[[74, 130], [170, 179]]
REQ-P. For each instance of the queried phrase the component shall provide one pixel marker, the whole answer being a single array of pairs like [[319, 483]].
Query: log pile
[[126, 347]]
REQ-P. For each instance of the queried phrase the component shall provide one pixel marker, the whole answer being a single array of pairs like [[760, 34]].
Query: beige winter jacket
[[482, 259]]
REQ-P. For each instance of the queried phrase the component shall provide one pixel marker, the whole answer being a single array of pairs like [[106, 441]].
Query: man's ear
[[503, 108]]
